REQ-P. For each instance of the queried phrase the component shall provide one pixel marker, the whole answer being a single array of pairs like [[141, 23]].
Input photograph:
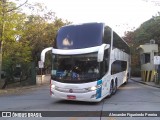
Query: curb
[[145, 83]]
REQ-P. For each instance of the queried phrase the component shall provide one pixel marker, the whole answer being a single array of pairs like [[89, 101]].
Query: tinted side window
[[105, 64], [107, 35], [120, 44], [106, 60], [118, 66], [123, 65]]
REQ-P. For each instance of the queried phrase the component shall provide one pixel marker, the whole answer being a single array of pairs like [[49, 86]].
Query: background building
[[148, 68]]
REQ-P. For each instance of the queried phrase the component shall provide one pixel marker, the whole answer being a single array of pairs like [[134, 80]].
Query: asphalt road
[[131, 97]]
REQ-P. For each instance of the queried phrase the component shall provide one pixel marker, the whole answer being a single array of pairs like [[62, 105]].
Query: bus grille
[[70, 90]]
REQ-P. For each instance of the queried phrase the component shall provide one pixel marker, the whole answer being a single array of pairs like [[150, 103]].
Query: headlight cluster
[[94, 88]]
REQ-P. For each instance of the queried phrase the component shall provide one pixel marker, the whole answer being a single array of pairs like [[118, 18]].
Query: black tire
[[111, 89], [115, 87]]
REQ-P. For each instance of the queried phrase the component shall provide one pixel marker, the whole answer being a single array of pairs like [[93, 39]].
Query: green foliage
[[147, 31], [15, 53], [25, 36]]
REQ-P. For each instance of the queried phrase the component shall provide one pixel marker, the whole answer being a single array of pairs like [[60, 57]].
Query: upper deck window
[[80, 36]]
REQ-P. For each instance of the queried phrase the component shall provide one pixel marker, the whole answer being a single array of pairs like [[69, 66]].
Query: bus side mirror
[[101, 52], [44, 52], [100, 57]]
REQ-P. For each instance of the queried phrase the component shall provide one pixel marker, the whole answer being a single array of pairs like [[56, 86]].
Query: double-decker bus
[[89, 62]]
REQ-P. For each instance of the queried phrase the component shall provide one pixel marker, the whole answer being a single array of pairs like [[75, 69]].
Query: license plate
[[71, 97]]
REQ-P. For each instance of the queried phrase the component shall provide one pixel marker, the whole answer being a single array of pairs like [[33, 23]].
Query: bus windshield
[[79, 36], [75, 68]]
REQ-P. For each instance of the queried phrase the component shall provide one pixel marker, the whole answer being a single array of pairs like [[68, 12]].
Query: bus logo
[[70, 90]]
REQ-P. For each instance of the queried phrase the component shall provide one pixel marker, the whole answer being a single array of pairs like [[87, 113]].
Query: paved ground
[[132, 97], [21, 90]]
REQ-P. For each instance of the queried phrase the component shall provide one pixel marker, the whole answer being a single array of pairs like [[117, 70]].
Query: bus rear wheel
[[115, 87], [111, 89]]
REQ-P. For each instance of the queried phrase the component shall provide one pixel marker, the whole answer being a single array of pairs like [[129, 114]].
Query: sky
[[121, 15]]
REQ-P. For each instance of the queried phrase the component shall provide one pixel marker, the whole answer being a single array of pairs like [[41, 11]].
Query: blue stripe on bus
[[99, 90]]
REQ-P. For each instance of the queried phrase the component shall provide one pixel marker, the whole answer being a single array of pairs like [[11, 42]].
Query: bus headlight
[[94, 88]]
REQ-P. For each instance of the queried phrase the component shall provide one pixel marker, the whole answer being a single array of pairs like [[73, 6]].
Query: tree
[[24, 36], [7, 13], [40, 29], [147, 31]]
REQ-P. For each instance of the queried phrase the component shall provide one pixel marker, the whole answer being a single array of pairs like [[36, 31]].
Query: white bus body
[[91, 73]]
